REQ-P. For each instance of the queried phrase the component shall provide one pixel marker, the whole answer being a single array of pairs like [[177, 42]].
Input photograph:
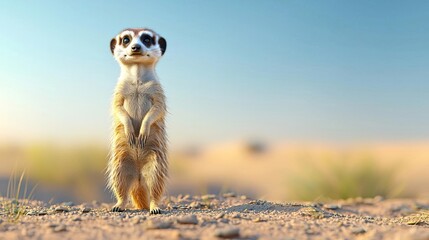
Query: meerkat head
[[138, 46]]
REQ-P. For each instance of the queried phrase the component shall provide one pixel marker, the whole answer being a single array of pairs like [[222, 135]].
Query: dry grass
[[344, 177], [17, 197]]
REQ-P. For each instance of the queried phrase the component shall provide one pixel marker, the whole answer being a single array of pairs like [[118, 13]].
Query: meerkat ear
[[112, 44], [162, 44]]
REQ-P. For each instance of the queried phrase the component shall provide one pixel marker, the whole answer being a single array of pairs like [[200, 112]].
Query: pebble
[[332, 206], [258, 220], [42, 213], [195, 205], [60, 228], [230, 232], [32, 213], [27, 232], [187, 196], [220, 215], [157, 224], [138, 219], [51, 225], [223, 220], [188, 219], [86, 210], [77, 219], [228, 195], [358, 230], [68, 204], [208, 197], [236, 215], [61, 209], [243, 197]]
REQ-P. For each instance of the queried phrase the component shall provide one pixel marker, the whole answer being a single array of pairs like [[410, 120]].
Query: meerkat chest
[[137, 99]]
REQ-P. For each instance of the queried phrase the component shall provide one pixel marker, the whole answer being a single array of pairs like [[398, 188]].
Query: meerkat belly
[[137, 105]]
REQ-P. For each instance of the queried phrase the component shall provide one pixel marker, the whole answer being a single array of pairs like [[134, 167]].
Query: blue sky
[[276, 70]]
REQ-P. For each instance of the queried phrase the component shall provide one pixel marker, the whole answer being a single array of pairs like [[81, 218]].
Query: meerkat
[[138, 165]]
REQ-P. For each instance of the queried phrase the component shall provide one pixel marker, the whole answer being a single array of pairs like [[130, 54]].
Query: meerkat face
[[138, 46]]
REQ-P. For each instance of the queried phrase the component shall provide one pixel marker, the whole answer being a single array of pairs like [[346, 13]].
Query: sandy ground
[[226, 216]]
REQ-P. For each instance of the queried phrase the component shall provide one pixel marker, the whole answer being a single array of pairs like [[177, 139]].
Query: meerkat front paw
[[143, 135], [141, 141], [131, 139]]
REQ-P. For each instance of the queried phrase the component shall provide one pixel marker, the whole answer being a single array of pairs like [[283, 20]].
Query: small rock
[[358, 230], [61, 209], [51, 225], [223, 220], [258, 220], [243, 197], [332, 206], [208, 197], [230, 232], [86, 210], [157, 224], [220, 215], [236, 215], [138, 219], [68, 204], [76, 219], [32, 213], [27, 232], [195, 205], [312, 212], [228, 195], [42, 213], [60, 228], [187, 196], [188, 219]]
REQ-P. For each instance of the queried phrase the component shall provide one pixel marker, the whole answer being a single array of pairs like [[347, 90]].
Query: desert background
[[279, 101]]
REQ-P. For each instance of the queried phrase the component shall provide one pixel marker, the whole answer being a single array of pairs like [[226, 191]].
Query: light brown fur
[[138, 165]]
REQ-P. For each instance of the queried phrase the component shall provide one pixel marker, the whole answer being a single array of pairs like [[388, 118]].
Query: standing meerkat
[[138, 163]]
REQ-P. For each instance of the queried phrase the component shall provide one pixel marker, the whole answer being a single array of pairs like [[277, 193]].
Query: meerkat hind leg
[[125, 177], [154, 174]]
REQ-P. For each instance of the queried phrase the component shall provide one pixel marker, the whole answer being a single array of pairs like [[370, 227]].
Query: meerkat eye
[[126, 40], [147, 40]]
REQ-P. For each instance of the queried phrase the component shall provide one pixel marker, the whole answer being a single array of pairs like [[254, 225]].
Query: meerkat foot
[[117, 209], [155, 211]]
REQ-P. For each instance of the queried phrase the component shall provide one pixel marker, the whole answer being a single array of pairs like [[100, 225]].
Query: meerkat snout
[[136, 48]]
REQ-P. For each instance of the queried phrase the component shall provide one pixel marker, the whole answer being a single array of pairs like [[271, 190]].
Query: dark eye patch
[[147, 40]]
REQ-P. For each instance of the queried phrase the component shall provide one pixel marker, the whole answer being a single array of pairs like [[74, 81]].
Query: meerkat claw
[[131, 141], [117, 209], [155, 211], [142, 141]]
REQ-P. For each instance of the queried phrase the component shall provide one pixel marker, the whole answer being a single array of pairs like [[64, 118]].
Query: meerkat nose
[[136, 48]]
